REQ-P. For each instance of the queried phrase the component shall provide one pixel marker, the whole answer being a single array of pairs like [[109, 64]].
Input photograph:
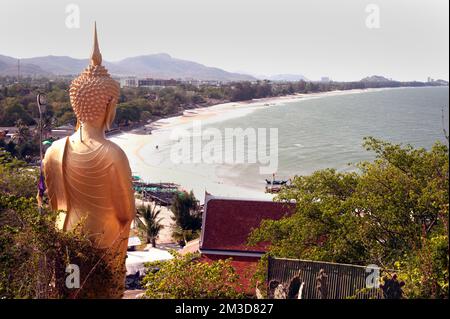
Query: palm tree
[[152, 225]]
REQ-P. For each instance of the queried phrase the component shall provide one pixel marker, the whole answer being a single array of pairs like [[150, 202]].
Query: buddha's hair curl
[[91, 92]]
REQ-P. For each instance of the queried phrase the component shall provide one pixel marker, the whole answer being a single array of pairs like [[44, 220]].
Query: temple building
[[227, 223]]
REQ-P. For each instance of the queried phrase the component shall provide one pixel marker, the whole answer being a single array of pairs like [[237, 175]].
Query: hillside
[[8, 66], [154, 65]]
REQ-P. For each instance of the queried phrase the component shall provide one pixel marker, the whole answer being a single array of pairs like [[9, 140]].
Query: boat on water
[[275, 185], [276, 182]]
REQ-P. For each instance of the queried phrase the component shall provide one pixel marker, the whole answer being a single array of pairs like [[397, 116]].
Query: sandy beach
[[148, 153]]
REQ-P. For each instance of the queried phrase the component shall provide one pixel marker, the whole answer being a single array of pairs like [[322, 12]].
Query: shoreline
[[165, 122], [147, 161]]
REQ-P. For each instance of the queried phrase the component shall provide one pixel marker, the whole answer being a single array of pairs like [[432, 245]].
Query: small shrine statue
[[322, 284], [392, 287], [89, 177]]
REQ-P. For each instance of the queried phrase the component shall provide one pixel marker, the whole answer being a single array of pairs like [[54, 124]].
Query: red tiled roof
[[228, 222]]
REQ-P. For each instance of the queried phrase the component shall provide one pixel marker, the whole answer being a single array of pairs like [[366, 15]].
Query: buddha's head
[[94, 94]]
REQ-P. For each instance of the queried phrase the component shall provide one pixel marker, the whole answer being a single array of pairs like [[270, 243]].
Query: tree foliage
[[186, 277], [394, 211], [187, 217], [18, 100], [152, 225], [12, 112], [33, 253]]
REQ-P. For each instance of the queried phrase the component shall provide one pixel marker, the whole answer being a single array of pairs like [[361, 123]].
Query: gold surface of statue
[[88, 176]]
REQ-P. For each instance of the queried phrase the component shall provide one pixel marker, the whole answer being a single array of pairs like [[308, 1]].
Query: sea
[[314, 132], [328, 131]]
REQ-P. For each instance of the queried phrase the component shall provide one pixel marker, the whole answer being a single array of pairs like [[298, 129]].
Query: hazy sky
[[311, 37]]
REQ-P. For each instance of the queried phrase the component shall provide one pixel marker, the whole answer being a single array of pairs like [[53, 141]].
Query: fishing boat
[[274, 185], [276, 182]]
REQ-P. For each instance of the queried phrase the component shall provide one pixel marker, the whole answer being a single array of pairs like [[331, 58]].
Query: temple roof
[[228, 222]]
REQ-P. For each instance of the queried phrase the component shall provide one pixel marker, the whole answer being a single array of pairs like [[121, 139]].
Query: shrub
[[189, 278]]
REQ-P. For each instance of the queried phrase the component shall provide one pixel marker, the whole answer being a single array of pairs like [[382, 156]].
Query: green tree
[[27, 145], [67, 118], [186, 277], [126, 113], [186, 214], [12, 112], [152, 226], [426, 270], [23, 132], [33, 253], [388, 213], [16, 178], [197, 99], [182, 236]]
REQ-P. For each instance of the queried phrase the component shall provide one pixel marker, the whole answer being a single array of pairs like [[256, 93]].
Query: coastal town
[[161, 231], [145, 177]]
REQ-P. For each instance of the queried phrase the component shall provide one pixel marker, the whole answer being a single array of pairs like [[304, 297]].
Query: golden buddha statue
[[89, 177]]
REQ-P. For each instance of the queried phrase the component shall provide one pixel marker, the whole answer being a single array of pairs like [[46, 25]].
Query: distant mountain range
[[8, 66], [161, 66]]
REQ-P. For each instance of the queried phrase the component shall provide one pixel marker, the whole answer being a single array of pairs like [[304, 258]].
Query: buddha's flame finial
[[96, 57]]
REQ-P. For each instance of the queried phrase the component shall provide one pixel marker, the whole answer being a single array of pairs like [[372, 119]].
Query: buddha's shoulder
[[119, 159], [55, 151], [116, 151]]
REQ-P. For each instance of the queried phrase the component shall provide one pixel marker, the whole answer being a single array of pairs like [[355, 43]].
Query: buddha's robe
[[95, 190]]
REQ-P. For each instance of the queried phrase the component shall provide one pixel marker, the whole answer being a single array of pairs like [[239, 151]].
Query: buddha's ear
[[110, 113]]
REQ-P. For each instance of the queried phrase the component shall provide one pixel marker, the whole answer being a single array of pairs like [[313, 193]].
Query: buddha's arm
[[52, 166], [123, 194]]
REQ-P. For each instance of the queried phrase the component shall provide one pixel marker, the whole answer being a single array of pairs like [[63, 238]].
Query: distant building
[[63, 131], [156, 83], [227, 223], [325, 79], [129, 82], [132, 81], [198, 83], [147, 82], [8, 133]]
